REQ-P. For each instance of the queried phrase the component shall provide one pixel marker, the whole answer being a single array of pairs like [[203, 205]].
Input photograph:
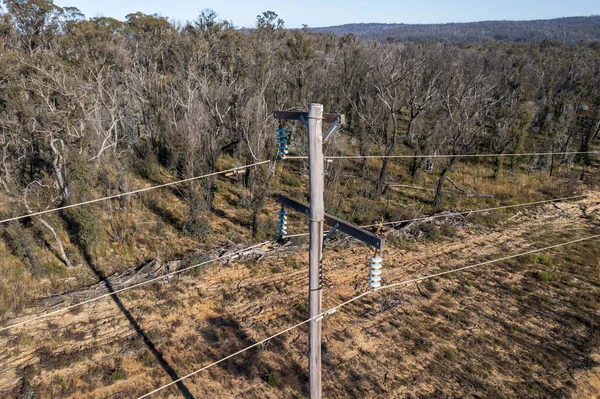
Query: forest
[[568, 30], [96, 106]]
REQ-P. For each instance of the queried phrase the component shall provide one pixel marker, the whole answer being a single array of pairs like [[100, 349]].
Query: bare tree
[[465, 98]]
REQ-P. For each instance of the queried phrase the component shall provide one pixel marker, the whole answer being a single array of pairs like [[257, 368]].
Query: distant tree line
[[566, 30], [88, 104]]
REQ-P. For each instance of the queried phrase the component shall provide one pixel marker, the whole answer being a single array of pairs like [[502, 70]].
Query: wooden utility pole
[[316, 212], [317, 216]]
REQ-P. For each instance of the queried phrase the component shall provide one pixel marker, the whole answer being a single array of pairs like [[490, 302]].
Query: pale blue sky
[[336, 12]]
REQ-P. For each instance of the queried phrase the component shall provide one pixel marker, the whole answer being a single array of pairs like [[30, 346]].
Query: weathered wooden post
[[317, 214]]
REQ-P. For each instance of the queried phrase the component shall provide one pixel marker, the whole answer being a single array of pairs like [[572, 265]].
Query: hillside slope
[[567, 30], [521, 328]]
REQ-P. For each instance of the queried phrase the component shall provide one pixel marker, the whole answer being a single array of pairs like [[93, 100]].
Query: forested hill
[[566, 30]]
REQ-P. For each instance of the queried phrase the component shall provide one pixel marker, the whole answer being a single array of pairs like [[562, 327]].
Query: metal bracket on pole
[[332, 129], [330, 233], [303, 120], [328, 313], [348, 228], [297, 116]]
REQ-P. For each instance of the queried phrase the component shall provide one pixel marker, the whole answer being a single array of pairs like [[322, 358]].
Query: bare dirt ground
[[521, 328]]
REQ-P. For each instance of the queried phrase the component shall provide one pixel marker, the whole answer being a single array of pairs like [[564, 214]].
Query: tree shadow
[[219, 213], [223, 330], [251, 365], [85, 251], [165, 214]]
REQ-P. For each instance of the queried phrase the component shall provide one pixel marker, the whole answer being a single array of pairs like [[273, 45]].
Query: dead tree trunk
[[437, 200], [390, 150], [59, 243], [414, 167], [439, 188], [57, 167], [552, 162]]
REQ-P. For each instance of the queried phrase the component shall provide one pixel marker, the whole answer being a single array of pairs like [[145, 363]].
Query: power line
[[289, 236], [292, 157], [130, 192], [356, 298], [416, 280], [480, 210], [44, 315], [266, 242], [444, 215]]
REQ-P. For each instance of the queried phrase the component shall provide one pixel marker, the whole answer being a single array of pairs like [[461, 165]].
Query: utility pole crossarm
[[348, 228], [296, 116]]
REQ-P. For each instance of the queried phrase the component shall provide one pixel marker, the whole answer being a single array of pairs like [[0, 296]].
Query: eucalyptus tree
[[35, 20], [511, 114], [421, 91], [299, 53], [393, 67], [464, 101]]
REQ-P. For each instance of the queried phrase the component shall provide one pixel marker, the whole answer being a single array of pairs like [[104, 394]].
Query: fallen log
[[466, 194]]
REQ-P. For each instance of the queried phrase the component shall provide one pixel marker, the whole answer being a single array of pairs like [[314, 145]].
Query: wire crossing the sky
[[356, 298], [141, 190], [525, 154]]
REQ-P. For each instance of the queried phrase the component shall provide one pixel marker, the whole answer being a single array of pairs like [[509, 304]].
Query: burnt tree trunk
[[381, 179], [414, 167], [437, 200], [497, 167], [254, 222], [24, 243]]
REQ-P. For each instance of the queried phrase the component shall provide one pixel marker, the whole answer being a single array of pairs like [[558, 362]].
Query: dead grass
[[509, 331]]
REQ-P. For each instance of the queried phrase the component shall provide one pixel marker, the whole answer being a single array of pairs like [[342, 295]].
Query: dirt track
[[473, 334]]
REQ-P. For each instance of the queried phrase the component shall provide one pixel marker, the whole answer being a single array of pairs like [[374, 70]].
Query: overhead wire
[[496, 208], [329, 311], [44, 315], [141, 190], [108, 294], [445, 215], [292, 157], [356, 298]]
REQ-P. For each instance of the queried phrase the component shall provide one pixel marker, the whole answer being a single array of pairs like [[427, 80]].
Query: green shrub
[[542, 260], [274, 379], [489, 220], [148, 167], [547, 277], [447, 230], [83, 220], [55, 269], [117, 375], [292, 179], [197, 226]]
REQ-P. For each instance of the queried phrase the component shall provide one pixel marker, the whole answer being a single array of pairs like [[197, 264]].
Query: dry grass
[[477, 334]]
